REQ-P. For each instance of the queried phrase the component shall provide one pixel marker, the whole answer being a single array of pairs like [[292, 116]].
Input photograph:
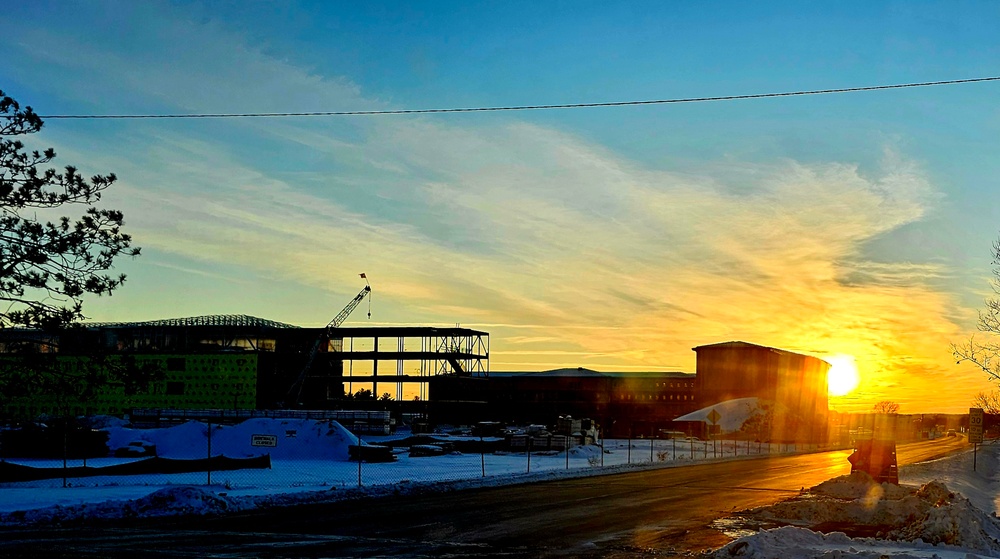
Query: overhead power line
[[530, 107]]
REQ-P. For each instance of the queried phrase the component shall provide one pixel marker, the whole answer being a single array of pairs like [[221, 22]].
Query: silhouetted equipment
[[877, 458], [342, 315], [296, 388]]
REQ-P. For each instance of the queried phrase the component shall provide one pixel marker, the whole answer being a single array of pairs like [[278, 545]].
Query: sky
[[615, 239]]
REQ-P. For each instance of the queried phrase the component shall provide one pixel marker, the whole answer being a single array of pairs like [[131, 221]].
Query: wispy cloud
[[511, 224]]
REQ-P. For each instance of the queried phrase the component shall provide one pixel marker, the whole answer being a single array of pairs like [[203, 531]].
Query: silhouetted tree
[[759, 421], [886, 407], [985, 352], [989, 402], [49, 263], [47, 266]]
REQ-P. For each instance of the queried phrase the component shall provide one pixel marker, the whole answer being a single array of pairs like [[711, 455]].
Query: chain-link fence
[[297, 455]]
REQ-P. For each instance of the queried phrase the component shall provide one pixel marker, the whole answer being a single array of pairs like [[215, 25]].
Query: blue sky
[[610, 238]]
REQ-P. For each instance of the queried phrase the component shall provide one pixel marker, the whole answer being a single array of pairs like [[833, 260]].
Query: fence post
[[359, 460], [650, 450], [567, 452], [629, 451], [65, 446], [529, 453], [482, 454], [209, 466], [602, 450]]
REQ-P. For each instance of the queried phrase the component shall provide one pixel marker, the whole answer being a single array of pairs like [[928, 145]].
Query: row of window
[[175, 388], [675, 385], [31, 410], [652, 397], [181, 363]]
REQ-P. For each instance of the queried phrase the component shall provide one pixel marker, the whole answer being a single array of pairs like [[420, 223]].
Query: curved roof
[[731, 413], [225, 320]]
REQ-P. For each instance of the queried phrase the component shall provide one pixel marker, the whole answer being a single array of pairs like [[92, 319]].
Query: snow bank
[[798, 543], [908, 519], [957, 473], [170, 501]]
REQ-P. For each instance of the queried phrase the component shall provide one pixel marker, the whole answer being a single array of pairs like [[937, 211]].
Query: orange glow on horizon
[[843, 376]]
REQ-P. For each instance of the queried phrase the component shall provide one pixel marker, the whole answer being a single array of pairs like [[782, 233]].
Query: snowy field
[[943, 509], [313, 455]]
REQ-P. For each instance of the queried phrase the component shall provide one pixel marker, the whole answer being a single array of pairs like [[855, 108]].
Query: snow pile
[[921, 517], [859, 485], [799, 543], [958, 474], [295, 439], [585, 451], [170, 501], [951, 519]]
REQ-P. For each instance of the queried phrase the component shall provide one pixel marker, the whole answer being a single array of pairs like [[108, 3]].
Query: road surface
[[650, 513]]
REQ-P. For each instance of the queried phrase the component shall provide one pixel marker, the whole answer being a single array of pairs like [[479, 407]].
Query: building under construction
[[242, 362], [239, 362]]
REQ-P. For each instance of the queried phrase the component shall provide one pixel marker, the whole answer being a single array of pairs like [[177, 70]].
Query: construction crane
[[296, 388], [342, 315]]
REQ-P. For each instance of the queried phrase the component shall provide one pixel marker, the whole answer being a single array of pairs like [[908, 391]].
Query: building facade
[[622, 403], [792, 385], [240, 362]]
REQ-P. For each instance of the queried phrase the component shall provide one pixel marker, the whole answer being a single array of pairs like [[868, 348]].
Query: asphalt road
[[642, 514]]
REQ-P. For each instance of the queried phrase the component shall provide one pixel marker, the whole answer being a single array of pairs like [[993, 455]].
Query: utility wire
[[529, 107]]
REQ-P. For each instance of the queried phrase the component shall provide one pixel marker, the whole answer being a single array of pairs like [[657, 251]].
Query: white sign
[[263, 440], [975, 425]]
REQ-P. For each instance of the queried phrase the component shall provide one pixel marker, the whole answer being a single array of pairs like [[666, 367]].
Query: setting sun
[[843, 376]]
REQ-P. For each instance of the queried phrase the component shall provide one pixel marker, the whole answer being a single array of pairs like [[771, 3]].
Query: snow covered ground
[[312, 456], [944, 509]]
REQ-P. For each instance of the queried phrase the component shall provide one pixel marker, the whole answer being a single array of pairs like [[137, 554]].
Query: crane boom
[[342, 316], [295, 391]]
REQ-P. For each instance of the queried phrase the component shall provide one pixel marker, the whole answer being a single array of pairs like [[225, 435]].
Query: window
[[176, 364], [175, 388]]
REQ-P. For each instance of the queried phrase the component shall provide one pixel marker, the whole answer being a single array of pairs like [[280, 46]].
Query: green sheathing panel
[[214, 381], [191, 381]]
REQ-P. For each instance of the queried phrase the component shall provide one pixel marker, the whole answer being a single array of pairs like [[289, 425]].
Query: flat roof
[[581, 372], [738, 344], [404, 331]]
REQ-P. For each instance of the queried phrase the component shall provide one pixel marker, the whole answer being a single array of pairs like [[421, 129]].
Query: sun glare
[[843, 376]]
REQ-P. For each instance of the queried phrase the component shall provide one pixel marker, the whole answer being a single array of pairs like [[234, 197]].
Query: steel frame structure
[[441, 351]]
